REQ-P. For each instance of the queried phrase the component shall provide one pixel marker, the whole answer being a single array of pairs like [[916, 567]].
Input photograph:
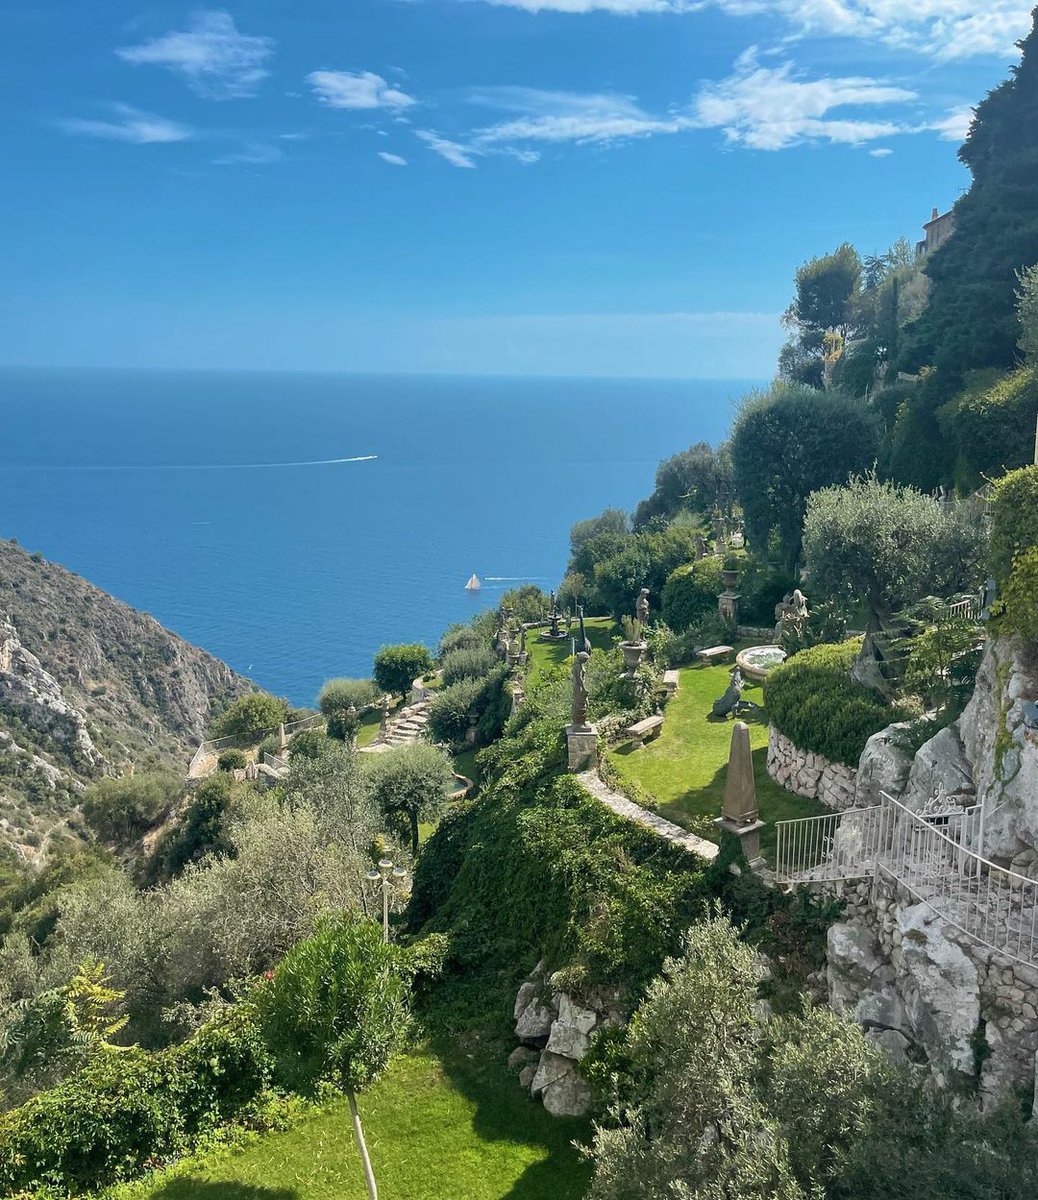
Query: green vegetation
[[335, 1011], [691, 592], [789, 442], [397, 667], [341, 701], [232, 760], [694, 481], [812, 699], [410, 785], [452, 1126], [121, 810], [720, 1101], [991, 422], [682, 772], [1014, 519], [251, 716], [476, 662]]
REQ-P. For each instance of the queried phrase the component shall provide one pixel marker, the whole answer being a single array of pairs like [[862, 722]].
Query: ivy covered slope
[[87, 685]]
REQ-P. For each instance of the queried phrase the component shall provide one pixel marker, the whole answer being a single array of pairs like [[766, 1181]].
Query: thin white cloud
[[546, 116], [394, 160], [954, 126], [881, 152], [771, 108], [454, 152], [129, 125], [217, 61], [251, 153], [357, 90], [940, 29]]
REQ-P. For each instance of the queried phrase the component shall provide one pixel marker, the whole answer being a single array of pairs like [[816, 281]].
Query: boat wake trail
[[262, 466]]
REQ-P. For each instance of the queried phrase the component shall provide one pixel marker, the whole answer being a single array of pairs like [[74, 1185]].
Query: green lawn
[[454, 1128], [684, 769], [600, 633]]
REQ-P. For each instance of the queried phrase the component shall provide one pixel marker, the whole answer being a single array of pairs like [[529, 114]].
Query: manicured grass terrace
[[452, 1127]]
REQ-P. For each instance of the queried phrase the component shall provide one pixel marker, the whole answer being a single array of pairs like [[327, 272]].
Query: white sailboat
[[473, 584]]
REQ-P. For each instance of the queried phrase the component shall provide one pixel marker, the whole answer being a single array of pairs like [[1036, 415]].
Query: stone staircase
[[405, 726]]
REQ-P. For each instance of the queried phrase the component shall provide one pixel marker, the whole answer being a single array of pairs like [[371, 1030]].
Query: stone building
[[938, 230]]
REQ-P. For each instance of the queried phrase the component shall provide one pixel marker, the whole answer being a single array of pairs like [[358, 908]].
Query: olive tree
[[396, 667], [336, 1009], [410, 784], [341, 700], [886, 547]]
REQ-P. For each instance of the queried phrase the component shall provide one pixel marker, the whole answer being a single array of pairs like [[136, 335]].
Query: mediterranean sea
[[293, 523]]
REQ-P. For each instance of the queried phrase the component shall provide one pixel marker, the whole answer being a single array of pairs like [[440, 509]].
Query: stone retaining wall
[[808, 774]]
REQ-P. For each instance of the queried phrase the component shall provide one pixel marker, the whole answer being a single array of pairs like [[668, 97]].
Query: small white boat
[[473, 584]]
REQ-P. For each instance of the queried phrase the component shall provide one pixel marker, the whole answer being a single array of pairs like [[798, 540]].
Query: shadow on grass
[[197, 1189], [506, 1112]]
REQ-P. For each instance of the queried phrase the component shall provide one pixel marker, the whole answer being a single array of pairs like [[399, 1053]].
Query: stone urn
[[731, 578], [634, 653]]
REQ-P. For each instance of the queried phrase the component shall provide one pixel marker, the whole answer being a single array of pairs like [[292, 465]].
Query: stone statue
[[579, 711], [700, 546], [641, 607], [799, 605], [727, 703]]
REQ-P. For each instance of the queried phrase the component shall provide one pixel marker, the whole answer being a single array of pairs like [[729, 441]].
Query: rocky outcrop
[[884, 766], [555, 1029], [941, 770], [88, 685], [808, 774], [1003, 752]]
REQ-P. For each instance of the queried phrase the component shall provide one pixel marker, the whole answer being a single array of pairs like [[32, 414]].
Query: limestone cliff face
[[1003, 753], [88, 685]]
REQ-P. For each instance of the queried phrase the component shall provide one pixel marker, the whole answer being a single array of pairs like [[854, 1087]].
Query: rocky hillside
[[88, 686]]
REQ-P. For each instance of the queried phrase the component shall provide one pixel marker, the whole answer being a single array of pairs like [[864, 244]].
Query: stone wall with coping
[[808, 774]]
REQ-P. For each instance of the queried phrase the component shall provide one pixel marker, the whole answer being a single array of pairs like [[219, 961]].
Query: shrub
[[232, 760], [812, 699], [483, 703], [250, 716], [112, 1119], [397, 667], [1017, 608], [337, 697], [119, 810], [474, 662], [198, 832], [992, 423], [761, 586], [528, 603], [460, 637], [1014, 519], [311, 743], [691, 592]]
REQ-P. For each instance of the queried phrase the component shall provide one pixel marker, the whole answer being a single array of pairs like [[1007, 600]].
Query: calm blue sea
[[205, 498]]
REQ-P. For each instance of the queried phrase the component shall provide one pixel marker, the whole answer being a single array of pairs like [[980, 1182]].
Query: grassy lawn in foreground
[[685, 768], [455, 1128]]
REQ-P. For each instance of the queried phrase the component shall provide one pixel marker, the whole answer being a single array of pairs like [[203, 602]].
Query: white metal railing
[[834, 847], [969, 609], [939, 863], [206, 749], [934, 855]]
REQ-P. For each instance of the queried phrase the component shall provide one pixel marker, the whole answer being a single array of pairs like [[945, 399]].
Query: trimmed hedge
[[127, 1108], [992, 423], [812, 699], [1014, 519]]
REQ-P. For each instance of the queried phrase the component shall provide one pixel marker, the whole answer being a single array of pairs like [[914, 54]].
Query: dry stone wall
[[808, 774]]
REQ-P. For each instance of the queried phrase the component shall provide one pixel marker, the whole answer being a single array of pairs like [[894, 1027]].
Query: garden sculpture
[[700, 547], [726, 704], [641, 607], [579, 711]]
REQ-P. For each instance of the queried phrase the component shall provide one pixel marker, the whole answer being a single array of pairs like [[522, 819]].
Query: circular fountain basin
[[757, 661]]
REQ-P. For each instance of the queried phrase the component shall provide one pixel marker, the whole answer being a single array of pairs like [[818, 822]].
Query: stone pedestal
[[582, 745], [728, 606], [749, 837]]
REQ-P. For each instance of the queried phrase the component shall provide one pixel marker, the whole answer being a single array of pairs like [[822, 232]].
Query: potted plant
[[633, 646]]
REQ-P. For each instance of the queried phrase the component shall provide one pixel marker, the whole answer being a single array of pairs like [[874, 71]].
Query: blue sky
[[590, 187]]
